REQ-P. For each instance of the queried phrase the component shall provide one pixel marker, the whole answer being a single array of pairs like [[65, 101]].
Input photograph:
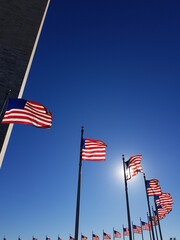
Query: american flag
[[93, 150], [153, 187], [137, 229], [95, 237], [145, 226], [20, 111], [164, 200], [162, 211], [133, 166], [83, 237], [117, 234], [154, 220], [126, 231], [106, 236]]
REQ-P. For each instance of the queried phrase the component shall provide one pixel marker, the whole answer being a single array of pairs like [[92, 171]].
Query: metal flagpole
[[79, 187], [123, 233], [141, 230], [127, 200], [4, 105], [155, 223], [160, 233], [133, 231], [149, 208], [149, 227]]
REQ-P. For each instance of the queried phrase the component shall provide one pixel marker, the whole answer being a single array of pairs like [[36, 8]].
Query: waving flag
[[164, 199], [153, 187], [161, 211], [20, 111], [126, 231], [83, 237], [106, 236], [137, 229], [93, 150], [95, 237], [145, 226], [117, 234], [133, 166], [154, 220]]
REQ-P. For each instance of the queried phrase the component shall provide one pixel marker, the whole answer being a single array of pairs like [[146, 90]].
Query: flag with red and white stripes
[[145, 226], [106, 236], [20, 111], [133, 166], [117, 234], [153, 187], [83, 237], [137, 229], [93, 150], [95, 237], [164, 199], [126, 231]]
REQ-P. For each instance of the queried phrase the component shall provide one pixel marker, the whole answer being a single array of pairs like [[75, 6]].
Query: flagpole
[[149, 207], [127, 200], [133, 231], [113, 234], [149, 227], [155, 223], [79, 187], [123, 233], [142, 230], [160, 233], [4, 105]]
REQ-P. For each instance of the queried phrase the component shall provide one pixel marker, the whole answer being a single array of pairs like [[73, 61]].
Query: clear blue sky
[[114, 67]]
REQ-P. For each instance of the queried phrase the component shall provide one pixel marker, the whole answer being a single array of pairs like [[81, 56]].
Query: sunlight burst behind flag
[[133, 166], [93, 150], [20, 111]]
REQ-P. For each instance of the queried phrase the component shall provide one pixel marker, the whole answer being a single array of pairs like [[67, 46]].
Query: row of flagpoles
[[162, 201], [95, 150], [20, 111]]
